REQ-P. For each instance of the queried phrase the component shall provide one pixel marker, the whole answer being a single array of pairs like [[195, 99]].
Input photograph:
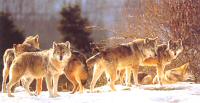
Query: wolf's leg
[[49, 84], [135, 74], [112, 82], [128, 76], [79, 83], [5, 76], [13, 79], [112, 74], [75, 87], [38, 86], [9, 86], [160, 73], [55, 85], [27, 84], [155, 79], [73, 81], [78, 89], [97, 72], [108, 76], [121, 76], [15, 86]]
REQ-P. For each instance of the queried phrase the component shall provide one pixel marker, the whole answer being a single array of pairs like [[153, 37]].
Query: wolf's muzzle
[[61, 58]]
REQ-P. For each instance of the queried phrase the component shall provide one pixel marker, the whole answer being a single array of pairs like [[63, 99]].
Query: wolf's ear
[[36, 38], [14, 45], [156, 38], [147, 40], [54, 44], [67, 44], [180, 41], [169, 43]]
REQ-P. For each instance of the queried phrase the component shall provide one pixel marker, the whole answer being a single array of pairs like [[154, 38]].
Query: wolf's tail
[[92, 60]]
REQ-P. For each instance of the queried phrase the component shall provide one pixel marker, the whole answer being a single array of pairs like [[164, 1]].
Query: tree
[[73, 28], [9, 35]]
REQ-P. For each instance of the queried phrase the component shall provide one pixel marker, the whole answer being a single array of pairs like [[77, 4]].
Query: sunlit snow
[[176, 93]]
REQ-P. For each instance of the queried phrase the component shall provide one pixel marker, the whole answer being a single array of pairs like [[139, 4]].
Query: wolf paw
[[91, 90], [81, 91], [51, 96], [129, 85], [37, 93], [10, 95], [137, 85], [72, 92], [32, 94], [56, 95]]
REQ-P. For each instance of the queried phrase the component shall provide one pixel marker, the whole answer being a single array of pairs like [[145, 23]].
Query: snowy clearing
[[176, 93]]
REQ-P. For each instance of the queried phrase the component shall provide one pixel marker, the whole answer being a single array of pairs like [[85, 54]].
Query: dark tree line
[[9, 35]]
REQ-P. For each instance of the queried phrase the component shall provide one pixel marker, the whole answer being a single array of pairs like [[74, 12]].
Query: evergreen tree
[[9, 35], [72, 27]]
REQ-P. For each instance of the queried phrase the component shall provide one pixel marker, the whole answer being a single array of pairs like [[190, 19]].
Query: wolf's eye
[[56, 52], [63, 52]]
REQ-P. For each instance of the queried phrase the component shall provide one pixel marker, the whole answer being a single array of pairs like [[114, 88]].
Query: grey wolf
[[165, 54], [175, 75], [34, 65], [76, 71], [9, 56], [120, 57]]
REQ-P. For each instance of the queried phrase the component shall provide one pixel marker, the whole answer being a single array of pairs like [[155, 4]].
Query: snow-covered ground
[[176, 93]]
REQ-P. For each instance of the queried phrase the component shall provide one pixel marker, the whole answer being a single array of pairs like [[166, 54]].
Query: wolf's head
[[33, 41], [149, 47], [21, 48], [61, 51], [175, 47]]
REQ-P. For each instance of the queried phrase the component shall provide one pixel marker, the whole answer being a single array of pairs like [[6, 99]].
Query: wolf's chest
[[56, 67]]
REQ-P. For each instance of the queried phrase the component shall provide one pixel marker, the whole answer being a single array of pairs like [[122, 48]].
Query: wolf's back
[[8, 56], [92, 60], [81, 57]]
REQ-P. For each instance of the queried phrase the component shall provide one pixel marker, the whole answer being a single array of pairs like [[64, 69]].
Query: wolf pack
[[26, 62]]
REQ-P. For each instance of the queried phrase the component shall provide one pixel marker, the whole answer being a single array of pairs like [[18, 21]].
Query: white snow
[[176, 93]]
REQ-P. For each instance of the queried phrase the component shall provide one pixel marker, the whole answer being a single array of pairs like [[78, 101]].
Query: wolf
[[171, 76], [9, 56], [175, 75], [76, 72], [166, 53], [112, 59], [22, 48], [178, 74], [34, 65]]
